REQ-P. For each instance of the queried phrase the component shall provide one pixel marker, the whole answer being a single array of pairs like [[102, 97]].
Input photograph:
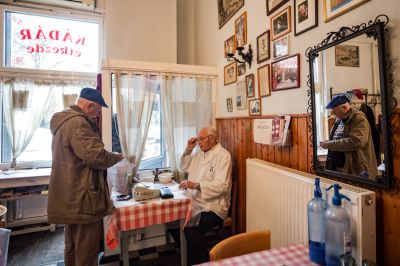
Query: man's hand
[[188, 184], [324, 145], [191, 144]]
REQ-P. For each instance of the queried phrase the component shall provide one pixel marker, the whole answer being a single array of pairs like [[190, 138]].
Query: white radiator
[[277, 197]]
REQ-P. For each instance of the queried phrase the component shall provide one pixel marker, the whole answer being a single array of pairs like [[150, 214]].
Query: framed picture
[[241, 30], [241, 69], [286, 73], [336, 8], [263, 47], [273, 5], [264, 84], [305, 15], [226, 9], [250, 90], [280, 24], [229, 104], [347, 55], [229, 46], [241, 99], [230, 73], [255, 106], [280, 47]]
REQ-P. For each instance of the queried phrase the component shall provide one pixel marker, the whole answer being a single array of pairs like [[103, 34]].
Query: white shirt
[[212, 169]]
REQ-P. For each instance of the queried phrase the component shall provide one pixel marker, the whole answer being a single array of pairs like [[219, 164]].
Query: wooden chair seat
[[241, 244]]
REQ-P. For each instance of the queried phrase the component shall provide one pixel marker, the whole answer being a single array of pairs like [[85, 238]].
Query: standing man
[[78, 193], [350, 146], [209, 185]]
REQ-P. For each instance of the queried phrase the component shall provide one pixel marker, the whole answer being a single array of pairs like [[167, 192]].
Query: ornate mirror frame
[[373, 29]]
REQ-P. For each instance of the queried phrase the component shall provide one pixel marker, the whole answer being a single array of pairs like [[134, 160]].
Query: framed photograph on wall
[[280, 24], [273, 5], [286, 73], [264, 84], [305, 15], [241, 99], [250, 86], [336, 8], [226, 9], [230, 73], [280, 47], [255, 106], [347, 55], [230, 46], [263, 47], [241, 69], [241, 30], [229, 104]]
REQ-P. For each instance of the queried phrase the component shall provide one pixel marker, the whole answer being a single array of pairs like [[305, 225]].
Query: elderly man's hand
[[188, 184], [192, 142]]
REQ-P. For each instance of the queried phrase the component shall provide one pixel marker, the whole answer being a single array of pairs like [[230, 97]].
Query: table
[[288, 256], [132, 217]]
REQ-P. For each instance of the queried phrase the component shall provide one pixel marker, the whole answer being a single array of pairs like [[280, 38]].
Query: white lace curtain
[[187, 106], [24, 105], [135, 94]]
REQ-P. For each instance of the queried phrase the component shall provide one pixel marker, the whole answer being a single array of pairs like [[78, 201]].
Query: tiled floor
[[47, 248]]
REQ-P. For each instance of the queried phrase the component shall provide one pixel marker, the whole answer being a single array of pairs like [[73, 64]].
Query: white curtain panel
[[135, 94], [187, 107], [25, 104]]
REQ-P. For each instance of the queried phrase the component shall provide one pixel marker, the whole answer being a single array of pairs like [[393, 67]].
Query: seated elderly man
[[209, 185]]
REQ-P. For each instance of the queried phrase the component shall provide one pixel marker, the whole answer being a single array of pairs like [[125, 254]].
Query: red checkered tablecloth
[[288, 256], [133, 214]]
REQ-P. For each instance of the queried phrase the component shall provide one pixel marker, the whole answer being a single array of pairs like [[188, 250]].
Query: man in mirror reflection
[[350, 146]]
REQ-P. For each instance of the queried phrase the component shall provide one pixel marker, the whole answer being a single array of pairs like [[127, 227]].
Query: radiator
[[277, 197]]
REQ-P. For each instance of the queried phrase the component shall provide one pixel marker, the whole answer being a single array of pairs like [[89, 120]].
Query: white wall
[[294, 100], [141, 30]]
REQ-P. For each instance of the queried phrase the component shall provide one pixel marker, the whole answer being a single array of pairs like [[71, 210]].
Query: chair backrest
[[241, 244]]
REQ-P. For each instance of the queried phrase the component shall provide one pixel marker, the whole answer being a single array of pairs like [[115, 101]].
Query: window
[[56, 55]]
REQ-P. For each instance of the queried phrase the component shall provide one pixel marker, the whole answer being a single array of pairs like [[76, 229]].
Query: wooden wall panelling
[[294, 148]]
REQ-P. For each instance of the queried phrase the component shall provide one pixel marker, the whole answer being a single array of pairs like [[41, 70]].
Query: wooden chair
[[230, 221], [241, 244]]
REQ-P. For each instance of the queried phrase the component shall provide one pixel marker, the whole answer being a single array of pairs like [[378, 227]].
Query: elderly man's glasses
[[202, 138]]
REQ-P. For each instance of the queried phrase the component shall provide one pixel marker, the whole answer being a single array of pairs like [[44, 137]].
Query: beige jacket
[[78, 192], [212, 169]]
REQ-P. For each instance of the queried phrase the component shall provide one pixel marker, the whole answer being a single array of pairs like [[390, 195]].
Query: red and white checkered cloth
[[133, 215], [287, 256]]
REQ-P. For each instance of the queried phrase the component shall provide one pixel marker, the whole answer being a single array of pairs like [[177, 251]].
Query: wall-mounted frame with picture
[[229, 105], [263, 47], [305, 15], [286, 73], [241, 69], [250, 86], [241, 98], [334, 8], [280, 47], [273, 5], [280, 23], [230, 73], [264, 84], [255, 106], [230, 46], [241, 30], [226, 9], [347, 55]]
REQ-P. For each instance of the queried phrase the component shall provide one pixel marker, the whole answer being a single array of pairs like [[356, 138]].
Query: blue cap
[[93, 95], [338, 100]]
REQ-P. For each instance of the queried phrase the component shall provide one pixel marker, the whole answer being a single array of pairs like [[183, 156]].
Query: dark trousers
[[82, 244], [197, 244]]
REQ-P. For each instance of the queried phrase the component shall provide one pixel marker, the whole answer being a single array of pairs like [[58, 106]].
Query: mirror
[[348, 71]]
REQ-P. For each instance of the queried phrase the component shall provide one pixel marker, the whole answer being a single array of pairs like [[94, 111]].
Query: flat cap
[[338, 100], [93, 95]]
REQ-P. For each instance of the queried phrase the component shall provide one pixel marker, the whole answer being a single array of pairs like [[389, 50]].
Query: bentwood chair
[[241, 244]]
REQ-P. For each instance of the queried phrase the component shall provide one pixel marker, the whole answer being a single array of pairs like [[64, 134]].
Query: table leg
[[183, 247], [124, 250]]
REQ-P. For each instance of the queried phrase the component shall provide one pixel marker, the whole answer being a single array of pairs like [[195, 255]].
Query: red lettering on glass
[[54, 34], [40, 34], [30, 49], [67, 37], [80, 40], [25, 34]]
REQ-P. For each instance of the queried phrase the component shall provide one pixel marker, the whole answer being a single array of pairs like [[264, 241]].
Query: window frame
[[40, 75]]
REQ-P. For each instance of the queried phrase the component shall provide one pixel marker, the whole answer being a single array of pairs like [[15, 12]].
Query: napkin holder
[[141, 192]]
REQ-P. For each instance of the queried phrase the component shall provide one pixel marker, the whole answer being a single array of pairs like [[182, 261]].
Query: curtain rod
[[157, 71], [46, 76]]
